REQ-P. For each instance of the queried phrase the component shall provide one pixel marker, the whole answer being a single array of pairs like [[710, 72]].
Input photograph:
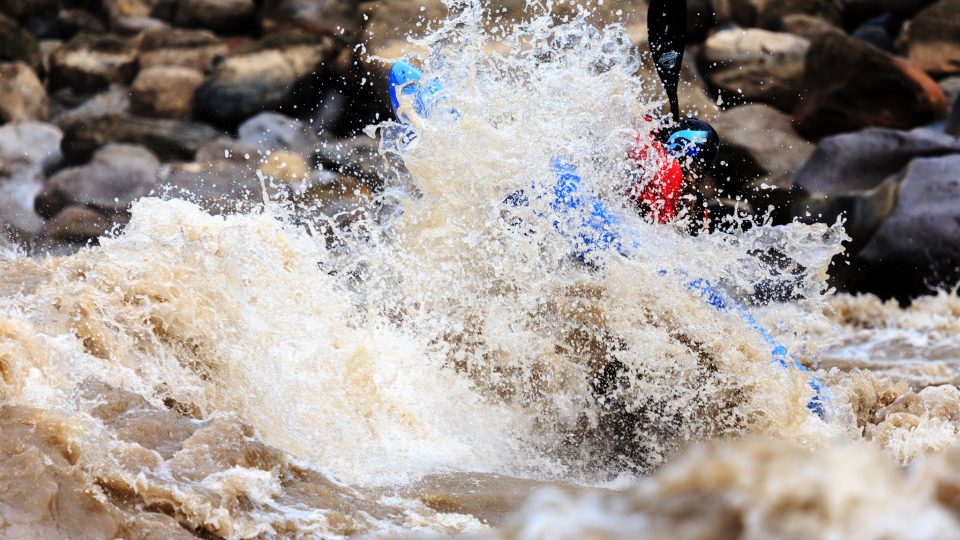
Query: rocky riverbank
[[826, 108]]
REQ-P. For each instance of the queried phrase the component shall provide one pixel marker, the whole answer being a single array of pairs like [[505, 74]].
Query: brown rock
[[77, 223], [339, 18], [88, 63], [265, 75], [758, 140], [22, 95], [934, 38], [17, 45], [195, 49], [168, 139], [769, 14], [225, 16], [849, 85], [21, 9], [807, 26], [165, 92], [757, 65]]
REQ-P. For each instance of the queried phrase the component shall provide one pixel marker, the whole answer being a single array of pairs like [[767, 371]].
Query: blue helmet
[[694, 138]]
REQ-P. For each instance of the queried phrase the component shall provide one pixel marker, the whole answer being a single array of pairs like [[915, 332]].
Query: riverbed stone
[[849, 85], [224, 16], [89, 63], [17, 45], [118, 175], [918, 246], [934, 38], [165, 92], [769, 14], [168, 139], [189, 48], [756, 64], [22, 95], [267, 75], [324, 17], [29, 149], [77, 223], [270, 131]]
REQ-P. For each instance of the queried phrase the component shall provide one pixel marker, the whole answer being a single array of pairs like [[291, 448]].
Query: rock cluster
[[825, 108]]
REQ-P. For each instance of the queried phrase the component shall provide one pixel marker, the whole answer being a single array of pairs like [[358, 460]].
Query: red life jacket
[[660, 196]]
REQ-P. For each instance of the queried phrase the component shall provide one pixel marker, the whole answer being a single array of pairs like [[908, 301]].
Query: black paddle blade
[[667, 27]]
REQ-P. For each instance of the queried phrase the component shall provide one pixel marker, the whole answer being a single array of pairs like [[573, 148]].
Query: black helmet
[[692, 137]]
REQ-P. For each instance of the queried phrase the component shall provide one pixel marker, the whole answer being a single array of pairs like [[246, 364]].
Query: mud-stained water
[[451, 364]]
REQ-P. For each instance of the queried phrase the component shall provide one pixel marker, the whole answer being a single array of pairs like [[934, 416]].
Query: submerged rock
[[757, 64], [849, 85], [22, 95]]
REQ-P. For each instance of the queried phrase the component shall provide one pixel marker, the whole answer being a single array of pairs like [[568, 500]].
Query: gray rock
[[168, 139], [17, 217], [194, 49], [225, 16], [17, 45], [757, 64], [28, 149], [118, 175], [77, 224], [22, 95], [849, 85], [918, 247], [265, 75], [322, 17], [951, 88], [855, 175], [88, 63], [934, 38], [220, 187], [273, 131], [66, 105], [165, 92]]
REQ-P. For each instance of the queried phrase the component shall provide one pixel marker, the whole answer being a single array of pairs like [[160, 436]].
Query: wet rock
[[220, 187], [770, 14], [848, 85], [934, 38], [757, 64], [73, 21], [855, 175], [17, 219], [17, 45], [67, 105], [807, 26], [21, 9], [195, 49], [164, 92], [168, 139], [89, 63], [162, 9], [132, 26], [118, 175], [77, 224], [861, 9], [273, 131], [225, 16], [951, 88], [28, 149], [323, 17], [266, 75], [918, 246], [760, 154], [22, 95]]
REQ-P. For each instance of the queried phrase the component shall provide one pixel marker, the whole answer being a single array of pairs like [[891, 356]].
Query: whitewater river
[[446, 367]]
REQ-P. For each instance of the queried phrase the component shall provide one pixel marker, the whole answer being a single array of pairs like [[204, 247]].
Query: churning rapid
[[444, 356]]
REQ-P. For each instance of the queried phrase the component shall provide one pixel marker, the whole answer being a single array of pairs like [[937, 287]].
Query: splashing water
[[244, 375]]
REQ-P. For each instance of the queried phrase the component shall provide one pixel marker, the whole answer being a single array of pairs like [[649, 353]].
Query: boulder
[[89, 63], [855, 175], [165, 92], [934, 38], [769, 14], [73, 21], [77, 224], [273, 131], [17, 45], [849, 85], [168, 139], [220, 187], [267, 75], [194, 49], [162, 9], [759, 143], [862, 9], [67, 105], [17, 218], [918, 247], [118, 175], [22, 95], [323, 17], [29, 149], [757, 64], [225, 16], [133, 26], [22, 9], [807, 26]]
